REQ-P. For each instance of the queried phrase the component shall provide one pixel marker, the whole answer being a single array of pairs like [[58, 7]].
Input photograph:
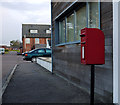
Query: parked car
[[24, 53], [2, 50], [33, 54]]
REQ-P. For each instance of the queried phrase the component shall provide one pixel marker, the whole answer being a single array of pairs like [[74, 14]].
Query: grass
[[7, 51], [15, 50]]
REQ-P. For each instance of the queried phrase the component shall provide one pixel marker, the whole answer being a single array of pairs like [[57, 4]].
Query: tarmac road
[[8, 62]]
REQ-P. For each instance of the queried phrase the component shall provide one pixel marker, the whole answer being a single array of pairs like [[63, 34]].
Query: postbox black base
[[92, 84]]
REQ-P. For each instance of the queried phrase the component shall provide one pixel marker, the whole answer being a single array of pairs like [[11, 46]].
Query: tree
[[15, 43]]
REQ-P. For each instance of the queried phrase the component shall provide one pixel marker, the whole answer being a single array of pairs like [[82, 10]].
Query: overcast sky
[[18, 12]]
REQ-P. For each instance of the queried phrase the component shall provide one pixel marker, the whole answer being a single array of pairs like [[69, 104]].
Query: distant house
[[5, 47], [35, 36], [14, 48]]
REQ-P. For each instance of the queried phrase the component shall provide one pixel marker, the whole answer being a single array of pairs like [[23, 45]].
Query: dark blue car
[[33, 54]]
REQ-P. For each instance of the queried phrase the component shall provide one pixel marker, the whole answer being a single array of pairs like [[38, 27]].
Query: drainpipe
[[25, 42], [51, 40]]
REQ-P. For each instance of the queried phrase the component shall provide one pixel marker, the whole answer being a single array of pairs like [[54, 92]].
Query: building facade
[[67, 21], [35, 36]]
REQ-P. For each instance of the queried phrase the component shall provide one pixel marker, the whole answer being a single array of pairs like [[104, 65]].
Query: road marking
[[8, 79]]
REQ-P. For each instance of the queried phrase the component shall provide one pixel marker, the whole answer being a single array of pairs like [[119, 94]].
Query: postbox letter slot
[[82, 35]]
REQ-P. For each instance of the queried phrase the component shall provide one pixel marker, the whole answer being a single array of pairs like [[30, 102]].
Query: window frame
[[37, 40], [27, 40], [58, 18]]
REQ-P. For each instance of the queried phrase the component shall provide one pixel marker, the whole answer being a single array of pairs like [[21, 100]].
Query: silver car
[[2, 50]]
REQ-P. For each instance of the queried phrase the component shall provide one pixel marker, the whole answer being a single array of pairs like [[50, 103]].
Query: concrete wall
[[45, 63], [66, 59]]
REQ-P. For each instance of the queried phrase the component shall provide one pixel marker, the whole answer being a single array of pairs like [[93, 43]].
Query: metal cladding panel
[[92, 46]]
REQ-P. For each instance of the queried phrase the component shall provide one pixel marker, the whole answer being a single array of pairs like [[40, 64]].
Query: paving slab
[[32, 83]]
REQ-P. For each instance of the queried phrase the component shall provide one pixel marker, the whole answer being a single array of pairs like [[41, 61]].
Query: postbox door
[[83, 47]]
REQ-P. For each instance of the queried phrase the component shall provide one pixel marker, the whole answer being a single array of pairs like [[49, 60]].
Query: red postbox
[[92, 46]]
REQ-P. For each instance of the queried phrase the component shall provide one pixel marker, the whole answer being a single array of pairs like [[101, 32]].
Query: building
[[35, 36], [5, 47], [68, 18]]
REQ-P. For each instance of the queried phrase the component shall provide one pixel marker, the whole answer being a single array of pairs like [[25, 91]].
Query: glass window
[[27, 40], [35, 51], [48, 51], [81, 22], [93, 15], [62, 31], [41, 51], [70, 28], [36, 40], [48, 31]]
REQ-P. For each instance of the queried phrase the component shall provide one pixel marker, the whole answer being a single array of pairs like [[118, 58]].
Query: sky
[[14, 13]]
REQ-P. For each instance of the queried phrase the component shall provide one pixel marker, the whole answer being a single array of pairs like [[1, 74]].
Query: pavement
[[32, 83]]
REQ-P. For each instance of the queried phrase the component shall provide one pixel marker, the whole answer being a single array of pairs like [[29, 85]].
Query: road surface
[[8, 62]]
